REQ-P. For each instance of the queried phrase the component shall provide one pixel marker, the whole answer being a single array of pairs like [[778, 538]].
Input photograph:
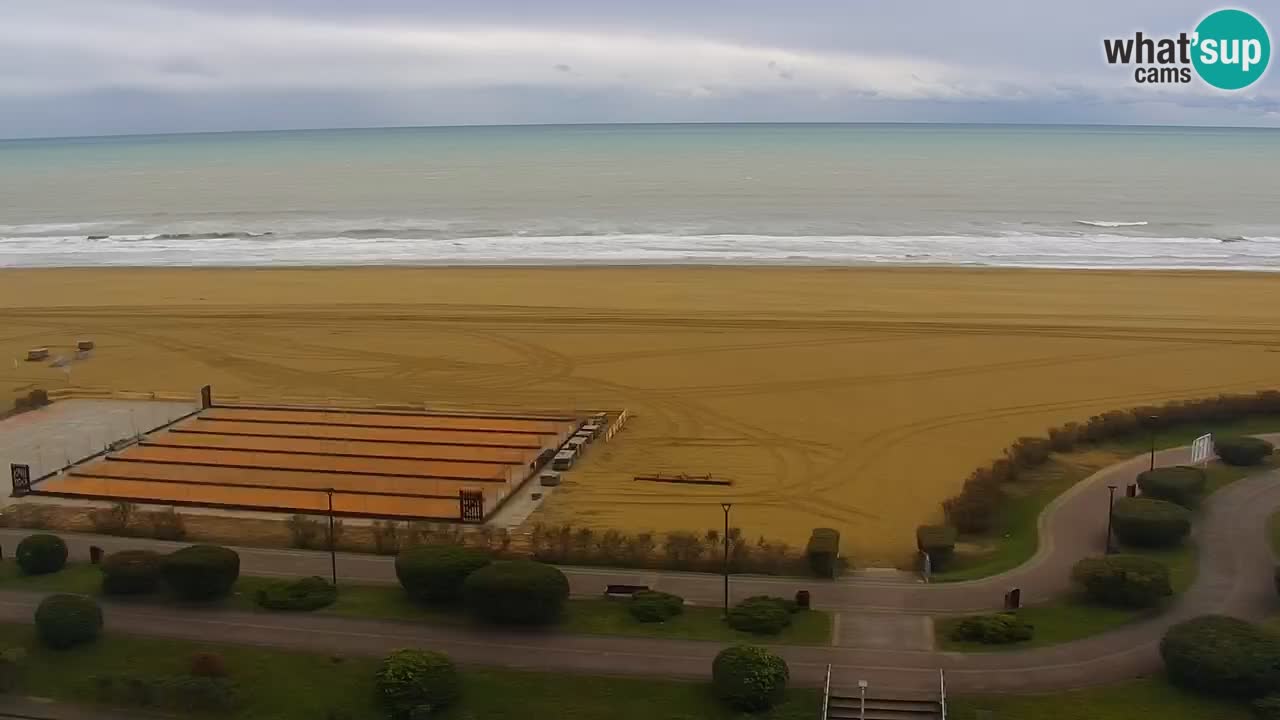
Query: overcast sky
[[90, 67]]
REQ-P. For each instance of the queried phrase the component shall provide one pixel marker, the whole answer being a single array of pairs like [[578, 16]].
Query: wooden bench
[[623, 591]]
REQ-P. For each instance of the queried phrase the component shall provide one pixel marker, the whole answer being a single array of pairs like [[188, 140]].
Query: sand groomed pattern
[[378, 463]]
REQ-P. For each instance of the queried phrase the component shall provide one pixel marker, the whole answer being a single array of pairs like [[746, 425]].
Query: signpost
[[1202, 450], [21, 475]]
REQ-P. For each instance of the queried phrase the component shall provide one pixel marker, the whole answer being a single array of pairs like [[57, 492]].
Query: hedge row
[[995, 629], [1146, 522], [1128, 581], [974, 509], [678, 550]]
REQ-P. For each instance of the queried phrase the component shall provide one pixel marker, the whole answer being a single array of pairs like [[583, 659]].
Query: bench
[[623, 591]]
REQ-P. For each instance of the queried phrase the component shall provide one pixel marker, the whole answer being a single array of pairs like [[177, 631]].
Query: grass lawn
[[277, 685], [1148, 698], [388, 602], [1074, 617]]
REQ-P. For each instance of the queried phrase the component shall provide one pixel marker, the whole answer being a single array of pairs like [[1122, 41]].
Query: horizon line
[[478, 126]]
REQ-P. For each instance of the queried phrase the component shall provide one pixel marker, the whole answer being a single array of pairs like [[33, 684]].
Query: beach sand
[[851, 398]]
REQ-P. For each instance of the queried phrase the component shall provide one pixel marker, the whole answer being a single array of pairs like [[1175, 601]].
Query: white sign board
[[1202, 450]]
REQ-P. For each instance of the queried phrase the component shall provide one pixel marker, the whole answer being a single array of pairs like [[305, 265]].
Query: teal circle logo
[[1231, 49]]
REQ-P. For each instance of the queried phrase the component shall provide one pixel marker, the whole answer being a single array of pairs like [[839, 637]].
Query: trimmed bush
[[310, 593], [1130, 581], [1242, 450], [652, 606], [41, 554], [516, 592], [823, 551], [435, 573], [760, 615], [201, 572], [411, 679], [199, 694], [1222, 656], [749, 678], [1180, 484], [938, 542], [1267, 708], [64, 621], [997, 629], [1150, 523], [131, 572]]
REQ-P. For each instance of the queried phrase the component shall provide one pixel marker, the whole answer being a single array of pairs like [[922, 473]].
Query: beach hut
[[564, 460], [84, 345], [549, 478], [36, 354]]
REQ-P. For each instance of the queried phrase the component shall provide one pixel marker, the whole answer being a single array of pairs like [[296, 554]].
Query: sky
[[95, 67]]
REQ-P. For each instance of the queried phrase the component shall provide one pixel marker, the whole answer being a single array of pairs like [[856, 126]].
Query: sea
[[731, 194]]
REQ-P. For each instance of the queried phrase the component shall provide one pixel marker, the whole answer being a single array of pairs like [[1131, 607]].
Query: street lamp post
[[1111, 499], [862, 700], [333, 545], [725, 506], [1153, 441]]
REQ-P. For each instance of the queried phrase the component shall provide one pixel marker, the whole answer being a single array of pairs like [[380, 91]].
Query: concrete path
[[1235, 578]]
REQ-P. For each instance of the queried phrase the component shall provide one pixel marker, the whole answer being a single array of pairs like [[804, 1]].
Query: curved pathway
[[1235, 578]]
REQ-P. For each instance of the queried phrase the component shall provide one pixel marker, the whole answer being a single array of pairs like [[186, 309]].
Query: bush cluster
[[41, 554], [995, 629], [680, 550], [64, 621], [201, 572], [823, 552], [435, 573], [938, 542], [1130, 581], [1181, 484], [653, 606], [131, 572], [516, 592], [183, 693], [749, 678], [761, 615], [410, 680], [1222, 656], [974, 508], [1146, 522], [1242, 450], [310, 593]]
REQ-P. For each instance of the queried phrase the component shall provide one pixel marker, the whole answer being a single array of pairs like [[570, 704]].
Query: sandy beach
[[852, 398]]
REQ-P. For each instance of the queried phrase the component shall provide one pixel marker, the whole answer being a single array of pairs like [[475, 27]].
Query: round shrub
[[652, 606], [41, 554], [310, 593], [997, 629], [1242, 450], [411, 679], [131, 572], [64, 621], [435, 573], [1180, 484], [760, 615], [517, 592], [201, 572], [1223, 656], [749, 678], [1150, 523], [1130, 581]]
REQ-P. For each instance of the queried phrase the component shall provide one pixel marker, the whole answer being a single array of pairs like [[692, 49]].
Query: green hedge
[[1181, 484], [201, 572], [310, 593], [517, 592], [131, 572], [64, 621], [1123, 580], [411, 679], [41, 554], [749, 678], [823, 551], [996, 629], [1242, 450], [1267, 708], [653, 606], [938, 542], [1222, 656], [435, 573], [1147, 522], [761, 615]]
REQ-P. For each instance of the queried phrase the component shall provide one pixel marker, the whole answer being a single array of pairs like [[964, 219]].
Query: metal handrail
[[942, 689], [826, 693]]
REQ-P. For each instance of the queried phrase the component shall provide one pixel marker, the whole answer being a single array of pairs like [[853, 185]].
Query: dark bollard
[[1131, 491], [802, 599], [95, 555], [1013, 599]]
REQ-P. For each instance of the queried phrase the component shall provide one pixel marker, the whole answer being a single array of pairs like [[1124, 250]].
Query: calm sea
[[630, 194]]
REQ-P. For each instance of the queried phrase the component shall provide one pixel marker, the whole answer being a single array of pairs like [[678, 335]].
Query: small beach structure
[[564, 460], [37, 354]]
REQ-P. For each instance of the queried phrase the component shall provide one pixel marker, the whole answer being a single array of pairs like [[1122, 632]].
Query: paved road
[[1235, 578]]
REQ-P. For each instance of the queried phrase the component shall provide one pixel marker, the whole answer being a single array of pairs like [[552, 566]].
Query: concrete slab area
[[882, 631]]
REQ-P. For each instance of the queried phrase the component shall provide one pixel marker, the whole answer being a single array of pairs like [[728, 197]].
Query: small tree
[[749, 678]]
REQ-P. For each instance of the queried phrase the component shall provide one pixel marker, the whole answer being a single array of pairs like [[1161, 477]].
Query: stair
[[884, 706]]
